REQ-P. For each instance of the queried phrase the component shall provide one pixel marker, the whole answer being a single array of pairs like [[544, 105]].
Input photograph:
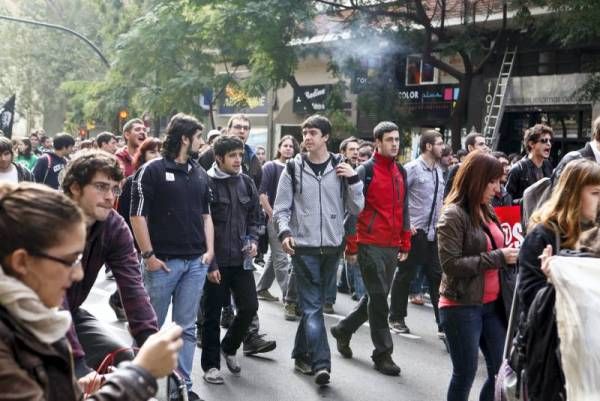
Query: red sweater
[[384, 221]]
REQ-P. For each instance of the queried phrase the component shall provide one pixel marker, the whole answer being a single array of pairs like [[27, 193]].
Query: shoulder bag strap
[[437, 179]]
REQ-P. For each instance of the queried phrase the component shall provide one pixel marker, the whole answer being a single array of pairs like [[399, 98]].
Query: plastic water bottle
[[248, 263]]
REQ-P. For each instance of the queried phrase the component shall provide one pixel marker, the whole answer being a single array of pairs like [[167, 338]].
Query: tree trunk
[[459, 115], [211, 113], [156, 125]]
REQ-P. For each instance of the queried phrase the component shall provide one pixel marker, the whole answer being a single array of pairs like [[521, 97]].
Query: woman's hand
[[510, 255], [545, 258], [159, 353], [91, 382]]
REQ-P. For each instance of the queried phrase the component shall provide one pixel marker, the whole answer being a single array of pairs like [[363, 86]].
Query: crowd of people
[[182, 222]]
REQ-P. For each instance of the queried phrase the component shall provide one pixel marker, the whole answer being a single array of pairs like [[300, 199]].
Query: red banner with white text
[[510, 221]]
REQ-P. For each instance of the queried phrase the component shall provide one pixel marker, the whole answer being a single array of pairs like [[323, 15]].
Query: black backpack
[[544, 376]]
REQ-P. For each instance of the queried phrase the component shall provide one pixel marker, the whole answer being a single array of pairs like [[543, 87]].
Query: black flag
[[7, 116]]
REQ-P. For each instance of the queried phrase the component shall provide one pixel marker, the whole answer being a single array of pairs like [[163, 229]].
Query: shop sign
[[438, 93], [235, 101], [539, 90], [315, 94]]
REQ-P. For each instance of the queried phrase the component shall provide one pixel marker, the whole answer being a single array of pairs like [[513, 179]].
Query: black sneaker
[[227, 317], [343, 342], [328, 309], [386, 366], [300, 365], [399, 326], [115, 303], [322, 377], [255, 344], [192, 396]]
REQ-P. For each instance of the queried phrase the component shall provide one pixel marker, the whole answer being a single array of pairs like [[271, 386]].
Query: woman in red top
[[471, 249]]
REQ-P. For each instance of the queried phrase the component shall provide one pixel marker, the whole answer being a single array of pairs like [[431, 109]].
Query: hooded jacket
[[313, 213], [234, 210], [250, 164]]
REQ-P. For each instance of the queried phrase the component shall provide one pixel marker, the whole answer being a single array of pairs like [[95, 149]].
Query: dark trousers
[[423, 253], [468, 329], [241, 284], [97, 340], [377, 266]]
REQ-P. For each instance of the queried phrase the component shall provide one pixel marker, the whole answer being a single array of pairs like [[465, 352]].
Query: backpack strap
[[290, 167], [48, 169], [368, 166]]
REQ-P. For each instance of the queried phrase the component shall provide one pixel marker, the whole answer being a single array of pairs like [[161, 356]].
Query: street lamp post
[[60, 28]]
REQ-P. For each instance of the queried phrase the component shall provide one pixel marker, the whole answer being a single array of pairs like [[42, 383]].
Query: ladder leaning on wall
[[495, 112]]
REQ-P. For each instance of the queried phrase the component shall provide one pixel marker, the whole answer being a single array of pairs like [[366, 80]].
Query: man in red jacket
[[383, 239]]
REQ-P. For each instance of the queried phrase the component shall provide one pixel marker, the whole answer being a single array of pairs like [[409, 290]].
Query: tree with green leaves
[[37, 60], [424, 26]]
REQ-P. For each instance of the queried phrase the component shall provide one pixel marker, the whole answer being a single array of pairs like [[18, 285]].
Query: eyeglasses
[[545, 140], [241, 127], [105, 188], [66, 263]]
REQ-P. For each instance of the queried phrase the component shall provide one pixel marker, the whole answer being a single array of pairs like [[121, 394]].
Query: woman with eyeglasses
[[42, 239]]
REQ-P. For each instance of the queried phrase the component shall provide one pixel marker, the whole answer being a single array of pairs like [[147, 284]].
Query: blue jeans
[[355, 278], [184, 285], [416, 285], [469, 328], [331, 285], [314, 275]]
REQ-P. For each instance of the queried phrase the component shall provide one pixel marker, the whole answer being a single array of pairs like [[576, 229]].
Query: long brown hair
[[562, 211], [474, 174]]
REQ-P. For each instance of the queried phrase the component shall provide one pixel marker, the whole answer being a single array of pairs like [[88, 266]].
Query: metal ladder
[[496, 108]]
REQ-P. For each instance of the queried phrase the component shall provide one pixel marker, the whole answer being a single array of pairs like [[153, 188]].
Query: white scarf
[[47, 324]]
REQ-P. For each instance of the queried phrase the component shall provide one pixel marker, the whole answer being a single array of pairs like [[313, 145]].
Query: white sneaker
[[232, 363], [213, 376]]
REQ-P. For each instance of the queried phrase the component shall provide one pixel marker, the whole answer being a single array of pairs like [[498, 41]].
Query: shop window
[[419, 72], [546, 62], [549, 62], [565, 125], [590, 61]]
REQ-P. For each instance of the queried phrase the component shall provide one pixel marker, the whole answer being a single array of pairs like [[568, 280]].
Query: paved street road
[[425, 364]]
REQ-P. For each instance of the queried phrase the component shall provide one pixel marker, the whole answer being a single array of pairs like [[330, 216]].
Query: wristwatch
[[148, 254]]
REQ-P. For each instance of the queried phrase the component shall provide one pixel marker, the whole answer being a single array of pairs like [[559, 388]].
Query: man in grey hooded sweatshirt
[[314, 193], [235, 211]]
